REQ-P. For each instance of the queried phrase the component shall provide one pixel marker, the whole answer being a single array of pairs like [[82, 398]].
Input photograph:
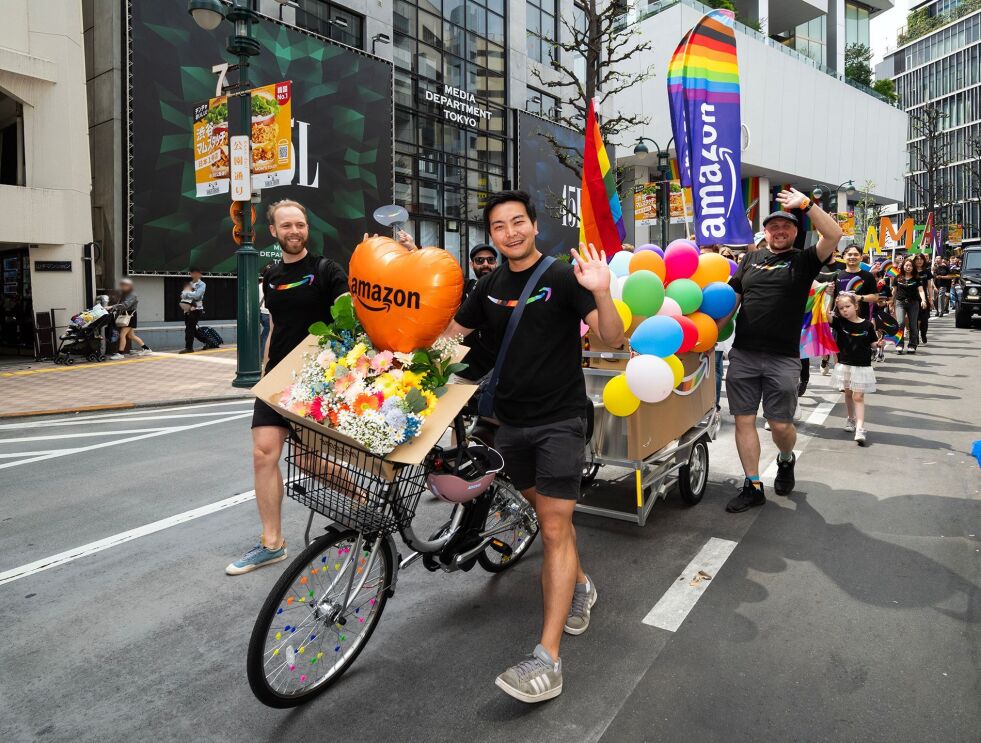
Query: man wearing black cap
[[480, 358], [773, 284]]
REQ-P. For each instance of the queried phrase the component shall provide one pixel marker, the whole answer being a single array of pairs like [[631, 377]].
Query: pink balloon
[[670, 308], [733, 266], [680, 261], [583, 329]]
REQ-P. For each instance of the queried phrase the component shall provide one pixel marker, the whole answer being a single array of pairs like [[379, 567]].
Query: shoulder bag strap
[[486, 404]]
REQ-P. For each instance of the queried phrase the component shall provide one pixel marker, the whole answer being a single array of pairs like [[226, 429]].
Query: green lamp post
[[664, 179]]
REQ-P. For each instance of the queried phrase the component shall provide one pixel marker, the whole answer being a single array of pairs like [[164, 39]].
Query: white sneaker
[[116, 357], [850, 425], [860, 437], [766, 425]]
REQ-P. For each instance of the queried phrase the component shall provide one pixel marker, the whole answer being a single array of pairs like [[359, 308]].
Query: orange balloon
[[708, 331], [711, 267], [403, 298], [648, 260]]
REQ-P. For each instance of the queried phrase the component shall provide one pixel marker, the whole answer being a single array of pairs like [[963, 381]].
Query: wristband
[[805, 204]]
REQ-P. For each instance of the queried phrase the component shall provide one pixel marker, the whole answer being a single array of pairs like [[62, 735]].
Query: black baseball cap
[[481, 248], [782, 215]]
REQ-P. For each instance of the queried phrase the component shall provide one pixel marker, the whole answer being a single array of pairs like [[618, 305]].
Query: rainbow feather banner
[[601, 217], [816, 338], [704, 100]]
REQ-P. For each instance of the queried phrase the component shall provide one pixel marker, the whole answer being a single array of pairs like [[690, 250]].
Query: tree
[[887, 89], [866, 212], [929, 163], [857, 67]]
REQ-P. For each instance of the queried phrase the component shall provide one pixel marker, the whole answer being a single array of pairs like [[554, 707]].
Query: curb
[[123, 406]]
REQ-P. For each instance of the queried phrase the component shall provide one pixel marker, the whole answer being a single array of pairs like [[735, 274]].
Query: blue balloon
[[718, 300], [650, 246], [658, 336], [620, 263]]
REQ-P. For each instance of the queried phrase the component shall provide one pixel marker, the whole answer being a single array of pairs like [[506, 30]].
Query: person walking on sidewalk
[[193, 316], [772, 286], [299, 290], [540, 399], [909, 299], [126, 321]]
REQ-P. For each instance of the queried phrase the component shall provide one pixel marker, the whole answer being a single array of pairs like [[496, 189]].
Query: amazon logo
[[380, 298]]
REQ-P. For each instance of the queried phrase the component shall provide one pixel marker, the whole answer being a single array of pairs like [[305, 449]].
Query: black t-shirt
[[943, 279], [774, 288], [866, 284], [854, 341], [480, 358], [541, 379], [907, 290], [298, 295]]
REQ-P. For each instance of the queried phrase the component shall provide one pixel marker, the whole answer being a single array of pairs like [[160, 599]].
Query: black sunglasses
[[489, 260]]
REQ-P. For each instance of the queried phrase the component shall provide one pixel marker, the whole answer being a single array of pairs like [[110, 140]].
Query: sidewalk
[[43, 388]]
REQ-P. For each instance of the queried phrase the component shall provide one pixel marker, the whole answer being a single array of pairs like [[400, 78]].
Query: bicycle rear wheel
[[508, 507], [305, 636]]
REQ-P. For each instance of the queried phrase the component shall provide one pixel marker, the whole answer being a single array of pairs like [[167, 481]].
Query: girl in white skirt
[[853, 373]]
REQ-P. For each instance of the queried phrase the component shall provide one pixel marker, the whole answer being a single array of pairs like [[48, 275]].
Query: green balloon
[[728, 330], [643, 293], [687, 294]]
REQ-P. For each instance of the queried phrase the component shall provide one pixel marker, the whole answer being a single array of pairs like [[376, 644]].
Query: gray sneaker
[[257, 557], [582, 602], [535, 679]]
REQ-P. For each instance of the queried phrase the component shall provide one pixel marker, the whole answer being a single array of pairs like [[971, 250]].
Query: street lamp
[[818, 190], [663, 179], [208, 14]]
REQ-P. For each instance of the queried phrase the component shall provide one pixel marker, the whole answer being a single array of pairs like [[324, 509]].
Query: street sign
[[241, 183], [52, 265]]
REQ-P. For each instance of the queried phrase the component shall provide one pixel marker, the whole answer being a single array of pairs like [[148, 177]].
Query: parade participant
[[908, 299], [483, 260], [772, 286], [856, 336], [480, 358], [299, 290], [955, 289], [857, 280], [925, 274], [541, 401], [943, 280]]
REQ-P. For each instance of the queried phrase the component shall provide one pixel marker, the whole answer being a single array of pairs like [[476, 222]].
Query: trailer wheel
[[69, 360], [693, 476]]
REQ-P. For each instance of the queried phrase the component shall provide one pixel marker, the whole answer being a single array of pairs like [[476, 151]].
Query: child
[[853, 373], [187, 300]]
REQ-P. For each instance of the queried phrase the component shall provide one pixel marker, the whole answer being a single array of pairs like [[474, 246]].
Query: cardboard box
[[271, 386], [654, 425]]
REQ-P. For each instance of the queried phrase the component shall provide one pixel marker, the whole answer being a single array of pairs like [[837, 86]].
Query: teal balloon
[[643, 293], [657, 336], [718, 300], [728, 330], [687, 294]]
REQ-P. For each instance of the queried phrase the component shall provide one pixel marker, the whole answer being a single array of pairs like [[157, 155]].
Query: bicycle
[[322, 611]]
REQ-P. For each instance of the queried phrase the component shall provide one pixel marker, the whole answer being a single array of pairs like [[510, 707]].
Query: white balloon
[[620, 263], [670, 308], [649, 378], [616, 285]]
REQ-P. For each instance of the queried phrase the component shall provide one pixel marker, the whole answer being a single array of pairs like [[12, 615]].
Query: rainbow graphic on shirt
[[544, 293], [853, 283], [305, 281]]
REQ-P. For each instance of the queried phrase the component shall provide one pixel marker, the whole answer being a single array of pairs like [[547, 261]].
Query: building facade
[[45, 180], [938, 64]]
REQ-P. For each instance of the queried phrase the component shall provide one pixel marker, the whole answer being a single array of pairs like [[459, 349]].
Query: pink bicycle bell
[[471, 479]]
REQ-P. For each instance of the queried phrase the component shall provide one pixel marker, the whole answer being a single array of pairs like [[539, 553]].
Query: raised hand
[[591, 269], [791, 198]]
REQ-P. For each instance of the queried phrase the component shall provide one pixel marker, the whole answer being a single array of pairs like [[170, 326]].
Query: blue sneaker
[[257, 557]]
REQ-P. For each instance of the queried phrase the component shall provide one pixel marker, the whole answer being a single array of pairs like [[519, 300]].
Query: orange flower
[[365, 402]]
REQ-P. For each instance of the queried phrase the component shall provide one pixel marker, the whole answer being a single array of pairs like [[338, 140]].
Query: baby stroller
[[85, 336]]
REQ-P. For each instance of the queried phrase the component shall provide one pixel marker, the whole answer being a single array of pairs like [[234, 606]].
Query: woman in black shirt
[[853, 375], [926, 281], [908, 299]]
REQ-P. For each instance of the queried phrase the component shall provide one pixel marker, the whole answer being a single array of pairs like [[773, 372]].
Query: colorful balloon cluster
[[680, 294]]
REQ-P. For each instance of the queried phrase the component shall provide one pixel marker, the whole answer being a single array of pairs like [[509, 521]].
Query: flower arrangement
[[378, 398]]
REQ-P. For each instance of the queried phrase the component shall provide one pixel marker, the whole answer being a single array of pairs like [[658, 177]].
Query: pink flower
[[382, 361], [317, 409]]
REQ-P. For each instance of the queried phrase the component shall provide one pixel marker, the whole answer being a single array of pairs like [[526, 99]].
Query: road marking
[[197, 356], [31, 568], [815, 419], [117, 442], [146, 415], [681, 597], [101, 364], [87, 434]]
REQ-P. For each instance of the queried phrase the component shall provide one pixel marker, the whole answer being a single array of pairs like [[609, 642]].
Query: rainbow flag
[[676, 100], [816, 338], [601, 218]]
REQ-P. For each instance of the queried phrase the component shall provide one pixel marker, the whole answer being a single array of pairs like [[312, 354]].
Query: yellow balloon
[[677, 368], [711, 267], [624, 311], [618, 398]]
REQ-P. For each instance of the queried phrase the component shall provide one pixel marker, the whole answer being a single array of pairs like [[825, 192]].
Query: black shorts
[[549, 458], [264, 415]]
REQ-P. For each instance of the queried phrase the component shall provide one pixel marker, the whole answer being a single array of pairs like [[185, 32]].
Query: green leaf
[[319, 328], [421, 357], [456, 368], [440, 391], [415, 401]]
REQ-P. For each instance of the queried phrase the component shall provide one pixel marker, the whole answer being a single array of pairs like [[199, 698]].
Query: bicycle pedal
[[501, 548]]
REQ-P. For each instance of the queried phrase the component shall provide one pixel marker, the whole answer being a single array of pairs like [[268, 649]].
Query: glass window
[[330, 20], [429, 62], [405, 126], [403, 17], [453, 39], [430, 30], [495, 28], [402, 51], [542, 28]]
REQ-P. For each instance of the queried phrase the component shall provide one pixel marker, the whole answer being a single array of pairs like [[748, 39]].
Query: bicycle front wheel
[[307, 635], [511, 513]]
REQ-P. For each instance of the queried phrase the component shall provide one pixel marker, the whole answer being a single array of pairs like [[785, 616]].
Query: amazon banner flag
[[708, 75]]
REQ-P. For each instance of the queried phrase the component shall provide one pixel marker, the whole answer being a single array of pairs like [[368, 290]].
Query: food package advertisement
[[211, 147], [645, 204], [681, 207], [272, 160]]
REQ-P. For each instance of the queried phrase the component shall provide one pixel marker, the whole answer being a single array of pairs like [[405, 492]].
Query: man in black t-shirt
[[298, 291], [540, 401], [855, 279], [480, 357], [764, 364]]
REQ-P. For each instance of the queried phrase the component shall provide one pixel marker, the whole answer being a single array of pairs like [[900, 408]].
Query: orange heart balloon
[[403, 298]]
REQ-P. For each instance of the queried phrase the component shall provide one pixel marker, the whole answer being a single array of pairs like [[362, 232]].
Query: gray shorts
[[549, 458], [755, 376]]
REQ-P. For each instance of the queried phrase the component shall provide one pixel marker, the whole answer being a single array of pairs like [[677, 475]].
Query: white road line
[[117, 442], [87, 434], [103, 416], [681, 597], [146, 415], [195, 357], [816, 418], [8, 576], [14, 455]]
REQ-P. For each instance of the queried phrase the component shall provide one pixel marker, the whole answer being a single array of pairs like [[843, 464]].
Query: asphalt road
[[849, 611]]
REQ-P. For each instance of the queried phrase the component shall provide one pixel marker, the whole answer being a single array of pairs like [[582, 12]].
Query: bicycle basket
[[349, 485]]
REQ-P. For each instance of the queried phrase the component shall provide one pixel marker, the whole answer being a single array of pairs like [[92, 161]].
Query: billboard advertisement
[[326, 137]]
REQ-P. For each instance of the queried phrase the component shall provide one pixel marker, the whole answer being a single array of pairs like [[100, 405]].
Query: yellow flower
[[431, 401], [329, 372], [354, 354], [411, 379]]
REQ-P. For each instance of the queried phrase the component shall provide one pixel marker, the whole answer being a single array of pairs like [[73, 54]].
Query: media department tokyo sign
[[459, 106]]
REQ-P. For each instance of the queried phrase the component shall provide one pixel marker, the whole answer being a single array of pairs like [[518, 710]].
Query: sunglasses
[[488, 261]]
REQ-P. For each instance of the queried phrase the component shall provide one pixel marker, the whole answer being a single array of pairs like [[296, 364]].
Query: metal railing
[[636, 15]]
